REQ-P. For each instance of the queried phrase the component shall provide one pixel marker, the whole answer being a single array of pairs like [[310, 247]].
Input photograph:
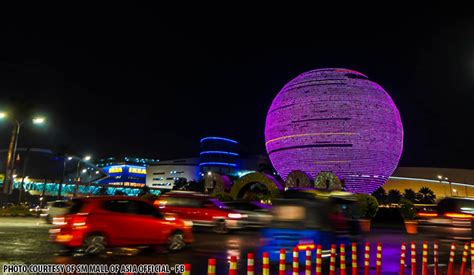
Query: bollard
[[403, 251], [282, 265], [451, 259], [342, 260], [413, 258], [472, 257], [295, 261], [367, 259], [250, 263], [378, 263], [307, 267], [464, 258], [319, 259], [233, 265], [187, 269], [265, 264], [354, 259], [332, 260], [424, 260], [211, 267], [435, 258]]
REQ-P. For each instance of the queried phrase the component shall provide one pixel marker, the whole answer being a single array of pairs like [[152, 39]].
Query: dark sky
[[148, 81]]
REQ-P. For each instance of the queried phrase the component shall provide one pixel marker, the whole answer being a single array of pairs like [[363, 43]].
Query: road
[[23, 240]]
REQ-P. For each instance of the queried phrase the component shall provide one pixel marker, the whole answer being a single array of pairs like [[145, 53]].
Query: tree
[[380, 195], [426, 195], [410, 195], [367, 206], [394, 196]]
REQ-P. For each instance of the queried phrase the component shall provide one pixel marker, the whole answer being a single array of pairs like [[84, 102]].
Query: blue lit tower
[[219, 155]]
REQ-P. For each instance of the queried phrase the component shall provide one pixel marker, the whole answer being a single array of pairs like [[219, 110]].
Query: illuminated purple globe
[[335, 120]]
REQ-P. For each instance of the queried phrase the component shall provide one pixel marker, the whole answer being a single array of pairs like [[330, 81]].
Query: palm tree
[[380, 195], [426, 195], [394, 196], [410, 195]]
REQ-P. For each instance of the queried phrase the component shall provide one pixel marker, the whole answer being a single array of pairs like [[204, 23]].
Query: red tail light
[[427, 214], [79, 220], [459, 215]]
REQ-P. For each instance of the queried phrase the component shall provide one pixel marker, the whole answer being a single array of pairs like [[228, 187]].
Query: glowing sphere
[[339, 121]]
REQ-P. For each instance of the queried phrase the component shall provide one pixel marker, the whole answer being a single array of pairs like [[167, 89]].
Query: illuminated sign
[[125, 175], [115, 169], [136, 170]]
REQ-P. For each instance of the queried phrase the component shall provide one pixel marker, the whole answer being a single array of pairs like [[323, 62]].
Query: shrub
[[368, 206], [407, 210]]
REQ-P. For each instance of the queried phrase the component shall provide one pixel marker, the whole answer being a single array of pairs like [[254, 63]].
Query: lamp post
[[450, 187], [11, 154], [78, 178]]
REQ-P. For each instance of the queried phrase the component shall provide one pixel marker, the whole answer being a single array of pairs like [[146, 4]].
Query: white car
[[55, 208]]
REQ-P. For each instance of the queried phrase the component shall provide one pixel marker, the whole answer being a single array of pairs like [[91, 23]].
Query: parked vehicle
[[201, 209], [453, 218], [93, 224], [254, 214]]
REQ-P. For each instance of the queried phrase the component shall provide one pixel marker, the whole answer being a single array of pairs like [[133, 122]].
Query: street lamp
[[11, 155], [78, 179]]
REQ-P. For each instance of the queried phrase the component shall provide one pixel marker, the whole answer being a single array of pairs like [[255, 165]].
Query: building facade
[[164, 174]]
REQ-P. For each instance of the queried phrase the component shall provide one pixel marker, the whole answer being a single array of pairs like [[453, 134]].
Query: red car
[[202, 210], [94, 223]]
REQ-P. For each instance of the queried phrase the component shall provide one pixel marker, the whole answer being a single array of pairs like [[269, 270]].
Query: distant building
[[125, 160], [125, 171], [165, 173], [219, 155]]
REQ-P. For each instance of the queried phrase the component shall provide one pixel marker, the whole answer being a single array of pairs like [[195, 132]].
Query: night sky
[[150, 82]]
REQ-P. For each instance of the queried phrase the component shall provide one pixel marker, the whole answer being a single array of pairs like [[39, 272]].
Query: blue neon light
[[219, 138], [218, 163], [219, 152]]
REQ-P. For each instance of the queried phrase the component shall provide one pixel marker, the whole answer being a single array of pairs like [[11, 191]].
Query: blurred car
[[55, 208], [92, 224], [452, 219], [307, 218], [255, 214], [201, 209]]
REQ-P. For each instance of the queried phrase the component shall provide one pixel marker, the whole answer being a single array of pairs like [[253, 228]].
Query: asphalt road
[[24, 240]]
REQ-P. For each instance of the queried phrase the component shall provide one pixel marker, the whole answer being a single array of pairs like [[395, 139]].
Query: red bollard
[[233, 265], [342, 260], [295, 261], [187, 269], [472, 257], [403, 251], [307, 267], [354, 259], [378, 263], [250, 264], [282, 265], [332, 260], [451, 259], [413, 258], [266, 264], [465, 252], [367, 259], [211, 267], [319, 259], [435, 258], [424, 260]]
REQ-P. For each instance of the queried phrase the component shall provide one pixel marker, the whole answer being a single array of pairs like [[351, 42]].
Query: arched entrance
[[257, 181], [298, 179]]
